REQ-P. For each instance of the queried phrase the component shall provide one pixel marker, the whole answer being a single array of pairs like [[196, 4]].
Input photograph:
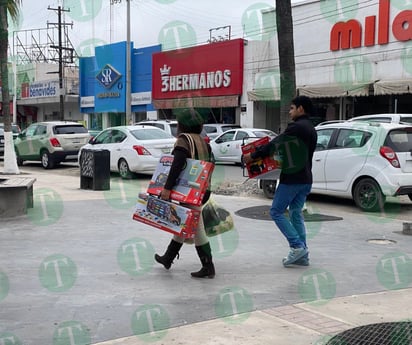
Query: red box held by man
[[166, 215], [191, 185], [262, 168]]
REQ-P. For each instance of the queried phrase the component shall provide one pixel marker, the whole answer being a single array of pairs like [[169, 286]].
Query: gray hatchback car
[[51, 142]]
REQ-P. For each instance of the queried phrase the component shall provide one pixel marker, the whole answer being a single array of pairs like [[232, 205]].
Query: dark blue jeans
[[294, 197]]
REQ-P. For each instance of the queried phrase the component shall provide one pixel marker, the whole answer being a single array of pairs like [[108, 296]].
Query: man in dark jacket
[[296, 146]]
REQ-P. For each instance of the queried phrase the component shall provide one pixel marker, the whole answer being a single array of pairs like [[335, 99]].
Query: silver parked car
[[51, 142], [215, 129]]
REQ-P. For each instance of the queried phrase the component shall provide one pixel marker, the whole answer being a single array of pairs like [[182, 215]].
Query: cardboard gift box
[[166, 215], [267, 168], [191, 185]]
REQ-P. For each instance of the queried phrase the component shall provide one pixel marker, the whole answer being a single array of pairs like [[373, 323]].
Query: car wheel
[[124, 170], [47, 160], [368, 195], [269, 188]]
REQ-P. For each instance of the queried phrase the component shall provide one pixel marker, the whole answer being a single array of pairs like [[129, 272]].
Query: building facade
[[352, 58]]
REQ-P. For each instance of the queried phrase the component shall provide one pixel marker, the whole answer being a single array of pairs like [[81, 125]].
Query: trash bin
[[95, 169]]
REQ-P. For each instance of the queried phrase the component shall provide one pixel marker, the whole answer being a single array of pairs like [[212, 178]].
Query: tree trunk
[[10, 162], [284, 23]]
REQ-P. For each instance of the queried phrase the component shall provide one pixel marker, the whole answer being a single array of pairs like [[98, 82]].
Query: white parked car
[[133, 149], [213, 130], [227, 146], [388, 118], [365, 161]]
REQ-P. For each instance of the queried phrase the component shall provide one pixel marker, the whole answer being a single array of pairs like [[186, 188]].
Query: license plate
[[166, 150]]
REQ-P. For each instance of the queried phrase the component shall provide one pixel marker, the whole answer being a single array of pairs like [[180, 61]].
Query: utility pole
[[60, 48], [128, 62]]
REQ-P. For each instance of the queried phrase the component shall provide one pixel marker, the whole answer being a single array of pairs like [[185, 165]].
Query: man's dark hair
[[305, 102]]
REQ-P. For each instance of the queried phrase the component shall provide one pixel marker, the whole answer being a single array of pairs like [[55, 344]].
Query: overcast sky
[[96, 22]]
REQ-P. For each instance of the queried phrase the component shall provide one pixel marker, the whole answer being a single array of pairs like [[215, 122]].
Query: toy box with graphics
[[191, 185], [262, 168], [165, 215]]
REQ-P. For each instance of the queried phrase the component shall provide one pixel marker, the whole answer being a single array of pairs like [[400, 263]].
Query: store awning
[[334, 90], [392, 87], [197, 102], [263, 94]]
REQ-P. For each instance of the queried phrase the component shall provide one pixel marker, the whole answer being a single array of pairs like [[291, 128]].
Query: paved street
[[78, 267]]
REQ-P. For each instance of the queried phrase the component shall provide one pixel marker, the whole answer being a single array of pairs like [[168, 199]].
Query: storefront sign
[[346, 35], [203, 71], [109, 88], [87, 102], [41, 89], [140, 98]]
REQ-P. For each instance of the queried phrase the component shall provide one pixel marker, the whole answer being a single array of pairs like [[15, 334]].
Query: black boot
[[171, 252], [205, 255]]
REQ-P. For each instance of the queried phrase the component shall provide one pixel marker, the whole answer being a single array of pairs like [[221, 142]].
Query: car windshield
[[173, 129], [69, 129], [14, 128], [400, 140], [150, 134], [406, 119], [261, 134]]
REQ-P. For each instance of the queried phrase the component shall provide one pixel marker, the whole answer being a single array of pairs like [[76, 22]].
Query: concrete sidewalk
[[301, 323], [360, 274]]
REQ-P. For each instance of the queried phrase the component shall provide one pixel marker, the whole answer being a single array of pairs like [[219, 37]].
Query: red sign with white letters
[[214, 69], [346, 35]]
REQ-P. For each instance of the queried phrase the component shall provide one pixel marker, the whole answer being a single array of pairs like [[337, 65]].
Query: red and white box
[[191, 185], [166, 215], [267, 168]]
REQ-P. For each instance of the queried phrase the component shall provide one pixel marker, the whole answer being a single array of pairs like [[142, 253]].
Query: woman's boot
[[205, 255], [171, 252]]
